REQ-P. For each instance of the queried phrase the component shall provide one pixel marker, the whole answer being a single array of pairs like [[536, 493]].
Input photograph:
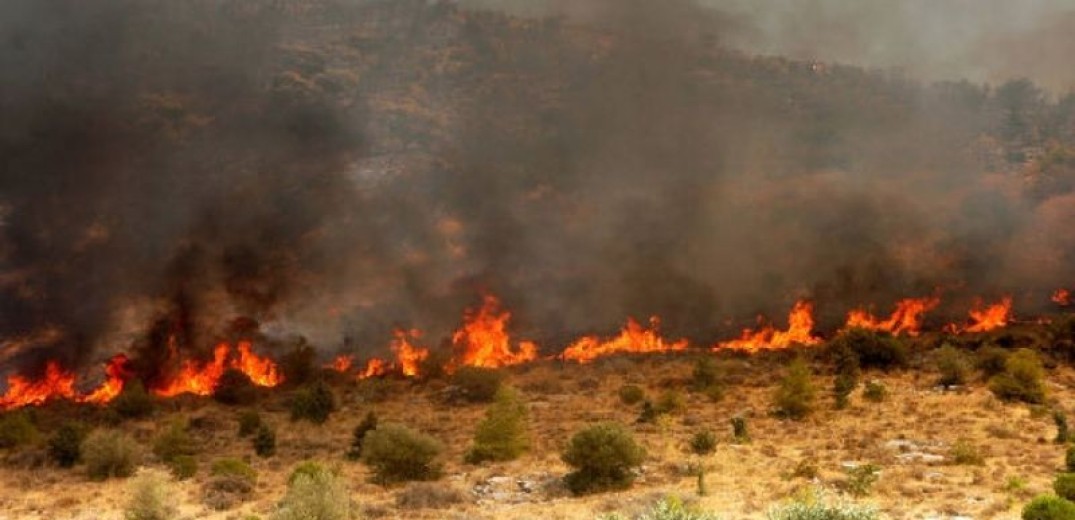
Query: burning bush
[[235, 388], [232, 481], [65, 446], [358, 436], [313, 403], [265, 441], [477, 385], [874, 349], [16, 429], [133, 401], [604, 457], [953, 364], [794, 397], [109, 453], [1021, 379], [504, 433], [397, 453], [152, 497], [315, 492]]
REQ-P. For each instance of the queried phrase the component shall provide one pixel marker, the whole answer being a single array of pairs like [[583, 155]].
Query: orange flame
[[341, 364], [261, 370], [201, 378], [408, 356], [906, 319], [375, 367], [634, 338], [56, 383], [985, 319], [1062, 297], [800, 326], [484, 342], [117, 375]]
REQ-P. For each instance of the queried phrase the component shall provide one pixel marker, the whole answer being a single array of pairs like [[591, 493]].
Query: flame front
[[634, 338], [906, 319], [800, 332], [56, 383], [374, 368], [341, 364], [986, 319], [116, 373], [483, 340], [1062, 297], [201, 378], [261, 370], [408, 356]]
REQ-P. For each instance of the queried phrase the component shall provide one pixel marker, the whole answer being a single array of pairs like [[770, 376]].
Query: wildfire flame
[[116, 373], [202, 378], [1062, 297], [374, 368], [341, 364], [800, 327], [906, 319], [986, 319], [408, 356], [483, 340], [634, 338], [56, 383]]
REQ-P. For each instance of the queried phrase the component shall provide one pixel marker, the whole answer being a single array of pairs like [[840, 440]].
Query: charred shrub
[[133, 402], [873, 349], [16, 429], [794, 397], [504, 433], [264, 441], [358, 435], [231, 482], [65, 446], [477, 385], [235, 388], [249, 421], [313, 403], [953, 364], [604, 457], [432, 367], [1049, 507], [631, 394], [109, 453], [397, 453], [152, 497], [315, 493], [1022, 379]]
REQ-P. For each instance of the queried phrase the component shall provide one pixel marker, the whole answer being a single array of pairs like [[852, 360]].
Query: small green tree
[[504, 433], [631, 394], [842, 386], [794, 396], [476, 384], [954, 366], [740, 434], [397, 453], [1022, 379], [1061, 421], [315, 493], [873, 349], [604, 457], [707, 378], [313, 403], [703, 443], [1069, 459], [133, 401], [65, 446], [1064, 485], [174, 441], [1049, 507]]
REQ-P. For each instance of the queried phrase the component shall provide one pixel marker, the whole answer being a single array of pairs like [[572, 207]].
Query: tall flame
[[375, 367], [408, 356], [800, 327], [56, 383], [634, 338], [483, 340], [261, 370], [1062, 297], [117, 373], [985, 319], [906, 319], [201, 378]]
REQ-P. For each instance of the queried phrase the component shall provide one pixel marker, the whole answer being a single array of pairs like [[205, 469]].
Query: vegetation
[[707, 378], [358, 436], [1063, 435], [861, 478], [671, 402], [875, 391], [152, 497], [476, 384], [842, 386], [1064, 485], [740, 434], [504, 434], [1049, 507], [65, 446], [965, 453], [16, 429], [631, 394], [298, 365], [1022, 379], [134, 401], [397, 453], [264, 441], [794, 397], [954, 366], [816, 505], [872, 349], [249, 422], [315, 493], [1069, 459], [991, 359], [231, 482], [703, 443], [235, 388], [428, 495], [109, 453], [174, 441], [648, 414], [604, 457], [183, 467], [313, 403], [670, 508]]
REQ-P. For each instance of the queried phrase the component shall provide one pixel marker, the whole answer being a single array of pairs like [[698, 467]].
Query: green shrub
[[1069, 459], [152, 497], [703, 443], [1049, 507], [504, 433], [990, 360], [264, 441], [794, 398], [1060, 419], [307, 468], [875, 391], [231, 482], [313, 403], [860, 479], [671, 508], [397, 453], [231, 467], [358, 436], [671, 402], [966, 454], [428, 495], [648, 414], [817, 505], [16, 429], [873, 349], [133, 401], [249, 422], [477, 385], [65, 446], [842, 386], [740, 434], [706, 375], [1022, 379], [235, 388], [109, 454], [1064, 485], [954, 366], [631, 394], [183, 467], [173, 442], [604, 457], [315, 493]]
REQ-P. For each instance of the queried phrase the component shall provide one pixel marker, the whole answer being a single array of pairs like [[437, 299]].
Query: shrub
[[307, 468], [65, 446], [1021, 379], [109, 454], [426, 495], [604, 456], [874, 349], [965, 453], [264, 441], [231, 467], [842, 386], [183, 467], [231, 481], [173, 442], [397, 454], [298, 364], [875, 391], [671, 402], [990, 360], [631, 394], [740, 435], [860, 479], [235, 388], [133, 401], [953, 364], [477, 385], [152, 497], [706, 375], [1061, 421], [1069, 459], [1064, 485], [703, 443], [315, 493], [671, 508], [358, 436], [432, 367], [817, 505], [648, 414], [794, 396], [504, 433], [313, 403], [1049, 507], [16, 429], [249, 422]]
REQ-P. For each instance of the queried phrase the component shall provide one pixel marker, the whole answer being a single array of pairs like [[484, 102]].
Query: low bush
[[397, 453], [874, 349], [134, 401], [315, 493], [671, 508], [1064, 485], [477, 385], [842, 386], [16, 429], [183, 467], [703, 443], [235, 388], [631, 394], [953, 364], [504, 434], [231, 482], [1069, 459], [965, 454], [671, 402], [706, 376], [249, 422], [109, 453], [1060, 419], [990, 360], [313, 403], [65, 446], [152, 497], [794, 397], [1022, 379], [358, 436], [231, 467], [647, 414], [174, 441], [875, 391], [604, 457], [264, 441], [1049, 507], [818, 505], [861, 478], [740, 434], [427, 495]]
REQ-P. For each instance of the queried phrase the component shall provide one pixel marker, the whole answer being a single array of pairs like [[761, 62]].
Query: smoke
[[185, 172]]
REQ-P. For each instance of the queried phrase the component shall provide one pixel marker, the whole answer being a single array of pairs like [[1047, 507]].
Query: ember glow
[[483, 340], [201, 378], [375, 367], [634, 338], [341, 364], [800, 332], [1062, 297], [906, 319]]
